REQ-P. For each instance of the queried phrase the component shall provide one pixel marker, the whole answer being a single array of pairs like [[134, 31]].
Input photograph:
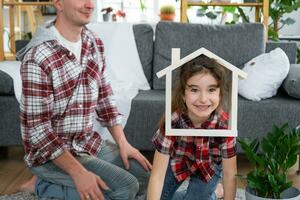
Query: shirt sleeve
[[162, 143], [36, 111], [228, 147], [107, 112]]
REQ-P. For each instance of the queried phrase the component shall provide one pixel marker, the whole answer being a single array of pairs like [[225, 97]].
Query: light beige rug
[[240, 195]]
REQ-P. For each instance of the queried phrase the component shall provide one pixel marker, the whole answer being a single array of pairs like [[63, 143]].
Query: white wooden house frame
[[236, 73]]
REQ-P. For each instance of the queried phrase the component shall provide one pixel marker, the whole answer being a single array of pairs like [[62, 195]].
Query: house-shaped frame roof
[[236, 74]]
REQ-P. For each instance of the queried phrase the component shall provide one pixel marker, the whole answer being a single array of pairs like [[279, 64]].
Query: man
[[64, 82]]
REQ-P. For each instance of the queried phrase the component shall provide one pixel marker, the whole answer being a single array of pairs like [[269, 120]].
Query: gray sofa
[[235, 43]]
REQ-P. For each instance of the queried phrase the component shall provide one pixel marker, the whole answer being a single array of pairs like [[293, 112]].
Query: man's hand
[[89, 186], [127, 151]]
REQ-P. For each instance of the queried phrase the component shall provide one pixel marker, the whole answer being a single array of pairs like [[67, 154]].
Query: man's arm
[[109, 116]]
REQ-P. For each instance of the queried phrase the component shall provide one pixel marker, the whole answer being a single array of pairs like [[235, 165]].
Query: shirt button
[[70, 53], [80, 105]]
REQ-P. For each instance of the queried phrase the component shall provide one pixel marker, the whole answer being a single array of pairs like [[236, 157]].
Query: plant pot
[[291, 193], [107, 17], [167, 17]]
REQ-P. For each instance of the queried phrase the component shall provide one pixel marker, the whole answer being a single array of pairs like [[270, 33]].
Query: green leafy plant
[[142, 5], [271, 158], [167, 9], [277, 8], [212, 14], [203, 11]]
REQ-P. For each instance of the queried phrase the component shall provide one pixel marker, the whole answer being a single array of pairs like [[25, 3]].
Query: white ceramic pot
[[289, 194]]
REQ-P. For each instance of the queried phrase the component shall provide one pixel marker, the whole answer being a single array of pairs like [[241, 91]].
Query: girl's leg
[[201, 190], [170, 185]]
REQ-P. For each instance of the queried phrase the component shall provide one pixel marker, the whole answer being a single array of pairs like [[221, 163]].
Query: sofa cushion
[[235, 43], [255, 118], [292, 82], [6, 84], [146, 110], [143, 34], [10, 130], [265, 72]]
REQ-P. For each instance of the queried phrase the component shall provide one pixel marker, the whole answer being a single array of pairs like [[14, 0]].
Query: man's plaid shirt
[[195, 155], [59, 98]]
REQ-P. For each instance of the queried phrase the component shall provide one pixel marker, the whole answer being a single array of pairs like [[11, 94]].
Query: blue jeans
[[124, 185], [197, 189]]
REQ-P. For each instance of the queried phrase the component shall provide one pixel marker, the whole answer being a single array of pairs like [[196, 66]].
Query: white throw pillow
[[266, 73]]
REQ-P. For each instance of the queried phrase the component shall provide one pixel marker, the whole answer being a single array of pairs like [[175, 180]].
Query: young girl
[[196, 103]]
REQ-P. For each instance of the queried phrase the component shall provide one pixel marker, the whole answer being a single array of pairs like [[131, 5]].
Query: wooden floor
[[13, 171]]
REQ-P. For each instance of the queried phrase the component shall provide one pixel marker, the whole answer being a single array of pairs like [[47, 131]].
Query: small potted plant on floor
[[272, 157], [167, 12]]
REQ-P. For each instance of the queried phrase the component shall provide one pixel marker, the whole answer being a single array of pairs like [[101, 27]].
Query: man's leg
[[123, 185], [110, 153]]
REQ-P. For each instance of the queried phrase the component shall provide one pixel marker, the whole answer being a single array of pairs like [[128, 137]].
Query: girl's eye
[[212, 89], [194, 90]]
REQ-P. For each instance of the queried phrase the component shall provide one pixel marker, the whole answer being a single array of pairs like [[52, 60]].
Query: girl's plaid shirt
[[59, 98], [195, 155]]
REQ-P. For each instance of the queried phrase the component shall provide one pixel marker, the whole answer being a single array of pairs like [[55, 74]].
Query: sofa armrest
[[290, 48]]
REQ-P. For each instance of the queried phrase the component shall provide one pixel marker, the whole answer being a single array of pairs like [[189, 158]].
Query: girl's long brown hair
[[201, 64]]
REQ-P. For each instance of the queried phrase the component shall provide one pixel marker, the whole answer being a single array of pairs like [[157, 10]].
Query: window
[[134, 12]]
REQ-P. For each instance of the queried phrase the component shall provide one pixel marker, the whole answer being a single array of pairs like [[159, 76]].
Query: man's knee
[[134, 187], [127, 191]]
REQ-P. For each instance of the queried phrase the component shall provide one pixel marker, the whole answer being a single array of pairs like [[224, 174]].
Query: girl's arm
[[229, 177], [159, 168]]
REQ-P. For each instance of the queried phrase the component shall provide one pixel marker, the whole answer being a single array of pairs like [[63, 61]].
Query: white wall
[[292, 29]]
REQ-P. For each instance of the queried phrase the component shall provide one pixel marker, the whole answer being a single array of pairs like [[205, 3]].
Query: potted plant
[[167, 12], [277, 8], [271, 158], [107, 13]]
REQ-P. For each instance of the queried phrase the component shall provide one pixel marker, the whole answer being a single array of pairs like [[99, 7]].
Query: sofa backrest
[[235, 43], [143, 34], [290, 48]]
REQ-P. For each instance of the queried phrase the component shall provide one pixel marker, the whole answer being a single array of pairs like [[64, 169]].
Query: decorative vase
[[291, 193], [167, 17]]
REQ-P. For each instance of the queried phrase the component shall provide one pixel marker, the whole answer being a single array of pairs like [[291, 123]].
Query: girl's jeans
[[197, 189], [55, 183]]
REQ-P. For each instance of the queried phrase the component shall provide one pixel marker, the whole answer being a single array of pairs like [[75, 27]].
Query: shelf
[[225, 4], [258, 6], [9, 56], [13, 12], [27, 3]]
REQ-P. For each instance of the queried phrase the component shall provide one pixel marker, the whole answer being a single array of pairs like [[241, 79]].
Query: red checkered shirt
[[191, 155], [59, 98]]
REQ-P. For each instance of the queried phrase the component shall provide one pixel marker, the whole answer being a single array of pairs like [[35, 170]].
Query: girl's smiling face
[[202, 97]]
